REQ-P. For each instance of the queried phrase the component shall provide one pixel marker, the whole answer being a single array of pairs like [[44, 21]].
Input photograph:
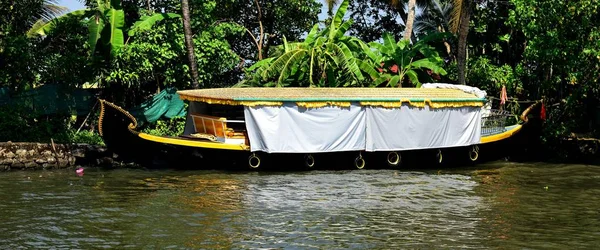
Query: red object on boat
[[503, 95], [543, 112]]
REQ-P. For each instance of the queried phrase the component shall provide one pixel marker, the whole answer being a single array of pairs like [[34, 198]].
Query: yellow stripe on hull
[[192, 143], [501, 136], [217, 145]]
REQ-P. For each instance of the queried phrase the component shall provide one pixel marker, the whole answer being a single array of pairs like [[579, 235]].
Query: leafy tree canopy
[[278, 18]]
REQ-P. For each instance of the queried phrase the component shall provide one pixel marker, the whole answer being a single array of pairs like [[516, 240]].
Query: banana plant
[[327, 57], [397, 60], [106, 26]]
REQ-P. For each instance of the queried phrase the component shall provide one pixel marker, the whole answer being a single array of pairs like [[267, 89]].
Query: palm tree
[[461, 14], [51, 9], [189, 42], [410, 14], [435, 18], [410, 19], [330, 5]]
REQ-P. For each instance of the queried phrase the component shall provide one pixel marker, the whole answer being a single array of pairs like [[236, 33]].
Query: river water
[[496, 205]]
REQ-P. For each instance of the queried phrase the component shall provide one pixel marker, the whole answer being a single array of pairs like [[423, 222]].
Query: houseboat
[[310, 127]]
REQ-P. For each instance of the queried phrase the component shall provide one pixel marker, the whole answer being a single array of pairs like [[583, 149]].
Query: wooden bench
[[206, 125]]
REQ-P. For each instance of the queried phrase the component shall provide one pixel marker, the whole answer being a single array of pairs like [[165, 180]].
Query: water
[[497, 205]]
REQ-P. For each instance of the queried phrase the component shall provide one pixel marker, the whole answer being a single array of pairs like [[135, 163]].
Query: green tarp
[[165, 104], [51, 99]]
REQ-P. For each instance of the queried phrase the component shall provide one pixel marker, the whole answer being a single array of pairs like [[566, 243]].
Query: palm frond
[[412, 75], [51, 9], [278, 65], [260, 64], [42, 27], [382, 78], [369, 51], [368, 68], [345, 26], [36, 29], [388, 40], [428, 64], [339, 14], [349, 61], [146, 22], [286, 70], [312, 35], [394, 81]]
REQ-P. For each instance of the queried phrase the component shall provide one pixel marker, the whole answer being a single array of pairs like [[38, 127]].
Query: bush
[[85, 136], [482, 73], [172, 127], [20, 124]]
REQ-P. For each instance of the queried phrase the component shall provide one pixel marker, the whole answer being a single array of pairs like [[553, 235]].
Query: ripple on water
[[505, 205]]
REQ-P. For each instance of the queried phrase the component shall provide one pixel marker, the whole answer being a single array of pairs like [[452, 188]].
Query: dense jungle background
[[127, 51]]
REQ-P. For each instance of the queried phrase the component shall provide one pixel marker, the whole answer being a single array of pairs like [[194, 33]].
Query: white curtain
[[290, 129], [409, 128]]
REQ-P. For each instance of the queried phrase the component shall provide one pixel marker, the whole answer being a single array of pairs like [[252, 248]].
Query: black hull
[[118, 132]]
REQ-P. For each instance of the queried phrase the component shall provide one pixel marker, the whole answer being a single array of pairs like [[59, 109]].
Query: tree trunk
[[463, 31], [189, 42], [410, 19]]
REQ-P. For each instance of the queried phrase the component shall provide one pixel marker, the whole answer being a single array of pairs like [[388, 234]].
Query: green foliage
[[17, 66], [84, 136], [325, 58], [171, 127], [279, 18], [62, 56], [16, 60], [401, 59], [157, 57], [112, 33], [329, 58], [106, 23], [20, 124], [376, 17], [482, 73], [42, 28], [146, 22], [16, 17], [491, 35], [563, 58]]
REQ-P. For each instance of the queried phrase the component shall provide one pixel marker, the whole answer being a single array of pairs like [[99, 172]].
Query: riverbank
[[27, 155], [38, 156]]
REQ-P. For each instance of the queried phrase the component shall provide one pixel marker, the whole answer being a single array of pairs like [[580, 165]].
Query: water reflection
[[500, 205], [553, 206]]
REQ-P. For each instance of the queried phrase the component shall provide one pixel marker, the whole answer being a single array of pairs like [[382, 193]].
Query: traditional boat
[[308, 127]]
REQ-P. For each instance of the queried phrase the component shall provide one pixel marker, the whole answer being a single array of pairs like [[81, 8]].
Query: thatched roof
[[318, 97]]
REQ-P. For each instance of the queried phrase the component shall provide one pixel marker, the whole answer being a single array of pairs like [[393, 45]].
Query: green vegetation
[[170, 127], [130, 50], [329, 58], [402, 59], [325, 58], [19, 124]]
